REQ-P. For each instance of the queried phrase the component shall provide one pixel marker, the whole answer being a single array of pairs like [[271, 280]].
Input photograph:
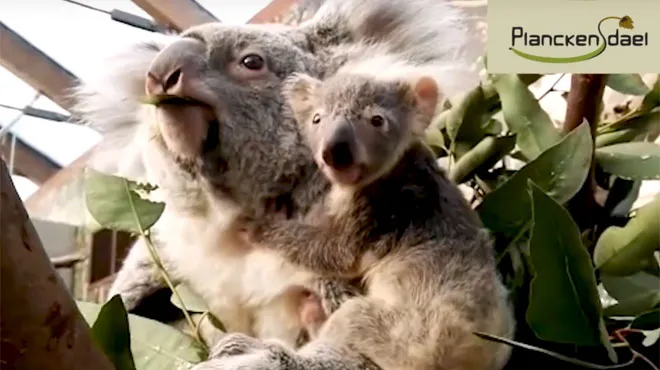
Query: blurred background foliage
[[558, 196]]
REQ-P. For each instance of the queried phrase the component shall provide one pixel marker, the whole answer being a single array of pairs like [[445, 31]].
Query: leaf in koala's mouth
[[165, 99]]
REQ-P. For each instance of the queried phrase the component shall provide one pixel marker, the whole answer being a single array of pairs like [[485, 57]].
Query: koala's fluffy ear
[[298, 90], [426, 94]]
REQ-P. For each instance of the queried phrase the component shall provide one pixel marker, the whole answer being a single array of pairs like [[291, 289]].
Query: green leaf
[[627, 250], [191, 300], [484, 155], [564, 305], [155, 345], [464, 121], [633, 161], [436, 140], [647, 321], [635, 294], [559, 171], [650, 337], [115, 204], [629, 130], [111, 333], [629, 84], [652, 99], [524, 116], [493, 127]]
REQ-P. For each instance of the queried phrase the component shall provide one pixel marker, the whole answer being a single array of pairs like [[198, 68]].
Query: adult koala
[[239, 151]]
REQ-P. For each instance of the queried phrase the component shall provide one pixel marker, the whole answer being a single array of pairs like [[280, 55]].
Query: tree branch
[[40, 325], [585, 102]]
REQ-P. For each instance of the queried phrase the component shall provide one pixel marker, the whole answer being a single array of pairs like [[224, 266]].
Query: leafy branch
[[115, 203], [556, 271]]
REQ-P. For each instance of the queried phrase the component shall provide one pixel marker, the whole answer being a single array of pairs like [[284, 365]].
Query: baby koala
[[359, 129], [393, 219]]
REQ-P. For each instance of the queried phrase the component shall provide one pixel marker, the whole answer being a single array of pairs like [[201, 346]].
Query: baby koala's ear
[[298, 90], [427, 95]]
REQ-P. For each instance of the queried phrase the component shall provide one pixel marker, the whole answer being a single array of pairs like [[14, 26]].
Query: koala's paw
[[241, 352], [260, 360], [335, 292], [234, 344]]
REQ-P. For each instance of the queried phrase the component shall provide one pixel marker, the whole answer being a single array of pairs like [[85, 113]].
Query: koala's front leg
[[320, 249], [334, 292], [326, 297], [138, 277], [241, 352]]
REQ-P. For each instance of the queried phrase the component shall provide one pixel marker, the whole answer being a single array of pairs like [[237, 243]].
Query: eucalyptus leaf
[[560, 171], [435, 139], [627, 250], [524, 116], [633, 161], [485, 154], [647, 321], [564, 305], [191, 300], [629, 84], [635, 294], [115, 204], [111, 333], [620, 136], [519, 156], [650, 337], [629, 130], [464, 120], [493, 127], [155, 345], [652, 98]]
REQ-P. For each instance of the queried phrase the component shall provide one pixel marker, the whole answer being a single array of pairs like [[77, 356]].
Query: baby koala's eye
[[253, 62], [316, 119], [377, 121]]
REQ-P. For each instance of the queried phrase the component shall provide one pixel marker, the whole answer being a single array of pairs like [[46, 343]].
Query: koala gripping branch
[[40, 325]]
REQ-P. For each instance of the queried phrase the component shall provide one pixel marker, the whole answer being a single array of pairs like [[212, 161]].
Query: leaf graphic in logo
[[626, 22]]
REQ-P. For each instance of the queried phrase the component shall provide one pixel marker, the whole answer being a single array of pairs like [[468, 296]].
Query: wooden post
[[176, 14], [40, 325]]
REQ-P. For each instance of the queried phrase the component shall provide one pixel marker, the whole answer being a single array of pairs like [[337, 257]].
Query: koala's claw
[[236, 351], [234, 344], [261, 360], [334, 293]]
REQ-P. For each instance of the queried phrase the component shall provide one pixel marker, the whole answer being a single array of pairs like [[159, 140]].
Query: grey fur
[[255, 161], [426, 263]]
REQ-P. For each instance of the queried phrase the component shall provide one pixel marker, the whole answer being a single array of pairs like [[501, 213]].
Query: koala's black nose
[[175, 70], [338, 155]]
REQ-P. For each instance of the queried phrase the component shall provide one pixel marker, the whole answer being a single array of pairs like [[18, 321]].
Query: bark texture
[[584, 102], [40, 325]]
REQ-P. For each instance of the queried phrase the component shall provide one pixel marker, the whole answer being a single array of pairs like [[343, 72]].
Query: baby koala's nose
[[175, 68], [338, 155]]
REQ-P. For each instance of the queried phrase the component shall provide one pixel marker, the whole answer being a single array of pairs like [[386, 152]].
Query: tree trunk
[[40, 325], [583, 103]]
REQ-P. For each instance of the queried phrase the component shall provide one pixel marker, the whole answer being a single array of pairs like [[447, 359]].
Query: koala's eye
[[377, 121], [316, 119], [253, 62]]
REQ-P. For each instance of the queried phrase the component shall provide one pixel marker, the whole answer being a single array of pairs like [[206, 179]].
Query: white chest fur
[[245, 288]]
